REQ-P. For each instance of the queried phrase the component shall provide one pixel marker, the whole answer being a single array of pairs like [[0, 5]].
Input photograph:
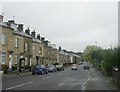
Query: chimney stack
[[38, 36], [46, 43], [20, 27], [11, 21], [42, 39], [33, 34], [27, 31], [60, 48]]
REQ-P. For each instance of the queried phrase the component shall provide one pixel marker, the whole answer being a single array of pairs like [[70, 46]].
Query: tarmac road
[[62, 80]]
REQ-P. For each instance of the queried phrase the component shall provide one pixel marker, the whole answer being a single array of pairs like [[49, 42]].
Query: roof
[[22, 34], [36, 40], [5, 25]]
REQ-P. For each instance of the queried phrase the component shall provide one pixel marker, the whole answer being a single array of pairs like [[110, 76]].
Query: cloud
[[71, 25]]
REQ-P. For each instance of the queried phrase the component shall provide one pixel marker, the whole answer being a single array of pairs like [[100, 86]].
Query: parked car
[[86, 67], [39, 69], [52, 68], [74, 67], [59, 67]]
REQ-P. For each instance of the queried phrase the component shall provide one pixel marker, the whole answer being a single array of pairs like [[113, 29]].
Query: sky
[[71, 25]]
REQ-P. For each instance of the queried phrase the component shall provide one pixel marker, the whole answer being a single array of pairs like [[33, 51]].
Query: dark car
[[86, 67], [59, 67], [52, 68], [39, 69]]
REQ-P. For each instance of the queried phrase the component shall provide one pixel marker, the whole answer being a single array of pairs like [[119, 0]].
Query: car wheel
[[42, 72], [33, 73]]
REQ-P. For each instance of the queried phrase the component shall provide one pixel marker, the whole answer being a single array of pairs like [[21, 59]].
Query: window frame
[[3, 40], [4, 57]]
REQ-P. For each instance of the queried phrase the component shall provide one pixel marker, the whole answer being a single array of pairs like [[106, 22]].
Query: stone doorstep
[[1, 72]]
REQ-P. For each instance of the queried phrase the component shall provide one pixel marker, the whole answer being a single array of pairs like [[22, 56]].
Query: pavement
[[1, 72], [12, 75], [62, 80]]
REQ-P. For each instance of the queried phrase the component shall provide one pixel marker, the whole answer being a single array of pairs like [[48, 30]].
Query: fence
[[116, 76]]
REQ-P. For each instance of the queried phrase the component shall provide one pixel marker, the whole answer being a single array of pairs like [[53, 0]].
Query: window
[[16, 42], [26, 47], [3, 57], [3, 38], [16, 59], [33, 47]]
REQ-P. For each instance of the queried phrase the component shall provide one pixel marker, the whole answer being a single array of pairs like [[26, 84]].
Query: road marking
[[85, 83], [43, 78], [60, 84], [19, 85]]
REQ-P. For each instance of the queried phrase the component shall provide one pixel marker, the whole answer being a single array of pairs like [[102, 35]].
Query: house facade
[[24, 49]]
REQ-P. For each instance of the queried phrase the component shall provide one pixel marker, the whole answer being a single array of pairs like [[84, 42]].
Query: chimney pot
[[27, 31], [20, 27], [33, 33], [42, 39], [38, 36], [11, 21]]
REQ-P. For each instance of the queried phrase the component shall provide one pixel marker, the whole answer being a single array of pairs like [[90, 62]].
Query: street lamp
[[40, 56], [18, 64], [18, 67]]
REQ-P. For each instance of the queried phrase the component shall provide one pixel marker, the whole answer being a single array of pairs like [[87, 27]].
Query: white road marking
[[19, 85], [43, 78], [60, 84], [85, 83]]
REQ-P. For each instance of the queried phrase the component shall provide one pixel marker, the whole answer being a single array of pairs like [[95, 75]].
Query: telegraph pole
[[96, 44]]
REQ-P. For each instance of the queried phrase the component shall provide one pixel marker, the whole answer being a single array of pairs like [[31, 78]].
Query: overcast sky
[[71, 25]]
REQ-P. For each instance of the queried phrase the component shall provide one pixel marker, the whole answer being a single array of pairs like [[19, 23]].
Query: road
[[62, 80]]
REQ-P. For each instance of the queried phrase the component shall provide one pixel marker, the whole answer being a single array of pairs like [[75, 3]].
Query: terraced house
[[36, 49], [25, 49], [7, 41], [15, 46], [50, 52]]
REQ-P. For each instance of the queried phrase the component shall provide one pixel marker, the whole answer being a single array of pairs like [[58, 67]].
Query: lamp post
[[18, 64], [40, 56], [18, 67]]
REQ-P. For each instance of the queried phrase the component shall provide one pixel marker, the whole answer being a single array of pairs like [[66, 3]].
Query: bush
[[14, 67], [27, 67], [4, 68]]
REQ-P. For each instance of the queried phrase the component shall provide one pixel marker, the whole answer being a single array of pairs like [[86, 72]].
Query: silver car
[[74, 67]]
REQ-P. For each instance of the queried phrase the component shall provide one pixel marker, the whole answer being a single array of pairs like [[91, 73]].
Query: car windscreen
[[58, 65], [37, 66]]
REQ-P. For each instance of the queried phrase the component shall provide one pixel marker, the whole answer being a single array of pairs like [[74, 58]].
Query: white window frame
[[16, 59], [26, 46], [16, 42], [3, 38], [4, 57], [33, 47]]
